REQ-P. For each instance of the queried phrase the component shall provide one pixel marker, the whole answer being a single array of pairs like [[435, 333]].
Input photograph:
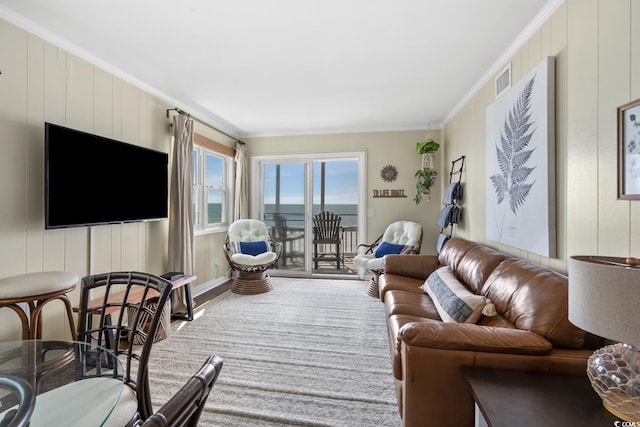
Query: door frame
[[257, 197]]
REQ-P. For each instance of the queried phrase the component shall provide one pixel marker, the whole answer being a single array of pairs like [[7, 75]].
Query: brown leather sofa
[[530, 333]]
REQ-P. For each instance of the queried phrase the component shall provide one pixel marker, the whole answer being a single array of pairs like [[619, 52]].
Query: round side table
[[36, 290]]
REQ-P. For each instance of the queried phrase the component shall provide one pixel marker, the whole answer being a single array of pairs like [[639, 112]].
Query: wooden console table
[[512, 398], [135, 296], [185, 281]]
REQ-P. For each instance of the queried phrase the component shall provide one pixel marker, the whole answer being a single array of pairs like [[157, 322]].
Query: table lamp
[[604, 299]]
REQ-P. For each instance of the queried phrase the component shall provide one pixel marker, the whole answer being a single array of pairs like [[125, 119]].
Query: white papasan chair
[[400, 237], [250, 251]]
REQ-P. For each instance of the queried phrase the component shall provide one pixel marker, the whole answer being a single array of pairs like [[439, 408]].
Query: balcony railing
[[290, 234]]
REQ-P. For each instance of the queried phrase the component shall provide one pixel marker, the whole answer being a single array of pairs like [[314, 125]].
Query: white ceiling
[[281, 67]]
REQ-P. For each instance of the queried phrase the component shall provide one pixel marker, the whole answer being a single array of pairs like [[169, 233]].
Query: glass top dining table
[[67, 378]]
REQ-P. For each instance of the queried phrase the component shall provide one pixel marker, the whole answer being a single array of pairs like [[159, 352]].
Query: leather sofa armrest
[[471, 337], [415, 266]]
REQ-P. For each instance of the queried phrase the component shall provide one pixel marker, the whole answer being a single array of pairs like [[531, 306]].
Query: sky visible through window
[[214, 169], [341, 183]]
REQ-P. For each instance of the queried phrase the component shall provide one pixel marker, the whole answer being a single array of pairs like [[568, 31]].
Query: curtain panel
[[241, 205], [181, 206]]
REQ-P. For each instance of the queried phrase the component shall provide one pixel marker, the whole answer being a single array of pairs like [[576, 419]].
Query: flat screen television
[[93, 180]]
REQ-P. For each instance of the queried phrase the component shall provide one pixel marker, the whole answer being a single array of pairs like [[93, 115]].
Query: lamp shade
[[604, 296]]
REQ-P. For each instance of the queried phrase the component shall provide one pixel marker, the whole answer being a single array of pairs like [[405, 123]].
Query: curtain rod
[[184, 113]]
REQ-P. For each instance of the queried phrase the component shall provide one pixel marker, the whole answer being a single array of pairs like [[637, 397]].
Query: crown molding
[[63, 43], [499, 64]]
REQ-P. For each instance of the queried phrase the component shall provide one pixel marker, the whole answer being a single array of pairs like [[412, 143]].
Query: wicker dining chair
[[129, 314], [20, 398], [185, 406]]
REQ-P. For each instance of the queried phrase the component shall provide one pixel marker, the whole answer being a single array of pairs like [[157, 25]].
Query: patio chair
[[286, 237], [400, 237], [250, 251], [326, 232], [186, 405]]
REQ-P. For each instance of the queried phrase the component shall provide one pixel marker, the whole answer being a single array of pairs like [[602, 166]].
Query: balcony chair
[[185, 407], [400, 237], [286, 237], [250, 251], [137, 301], [326, 231]]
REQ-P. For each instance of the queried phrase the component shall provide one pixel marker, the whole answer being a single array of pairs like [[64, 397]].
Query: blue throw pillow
[[386, 248], [254, 248]]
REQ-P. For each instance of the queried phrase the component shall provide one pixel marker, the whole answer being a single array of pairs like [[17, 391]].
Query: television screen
[[92, 180]]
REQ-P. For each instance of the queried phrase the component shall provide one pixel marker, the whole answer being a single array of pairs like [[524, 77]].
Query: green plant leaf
[[424, 179], [428, 146]]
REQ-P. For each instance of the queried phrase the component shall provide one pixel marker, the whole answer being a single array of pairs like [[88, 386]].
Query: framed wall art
[[629, 151], [520, 156]]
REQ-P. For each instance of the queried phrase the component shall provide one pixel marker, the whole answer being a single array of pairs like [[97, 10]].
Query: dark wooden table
[[511, 398]]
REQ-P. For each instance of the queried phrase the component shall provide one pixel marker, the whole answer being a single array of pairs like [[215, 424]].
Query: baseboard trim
[[210, 290]]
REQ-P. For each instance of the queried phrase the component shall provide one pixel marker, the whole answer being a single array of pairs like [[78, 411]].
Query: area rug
[[312, 352]]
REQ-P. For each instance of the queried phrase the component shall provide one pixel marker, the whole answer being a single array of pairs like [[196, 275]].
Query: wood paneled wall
[[40, 82], [597, 48]]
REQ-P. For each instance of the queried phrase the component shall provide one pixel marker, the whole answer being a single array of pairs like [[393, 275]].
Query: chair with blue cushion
[[250, 251], [401, 237]]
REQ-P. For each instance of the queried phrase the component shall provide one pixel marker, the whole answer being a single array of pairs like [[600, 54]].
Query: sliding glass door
[[289, 191], [283, 210]]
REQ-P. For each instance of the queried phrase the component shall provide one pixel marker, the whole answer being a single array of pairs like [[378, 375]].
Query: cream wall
[[597, 49], [40, 82], [382, 148]]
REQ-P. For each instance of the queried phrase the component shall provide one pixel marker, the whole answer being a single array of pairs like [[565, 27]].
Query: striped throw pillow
[[454, 302]]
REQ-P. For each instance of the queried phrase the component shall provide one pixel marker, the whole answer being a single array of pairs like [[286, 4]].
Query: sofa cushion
[[454, 251], [454, 302], [471, 263], [406, 302], [413, 266], [497, 321], [535, 298], [470, 337], [388, 282]]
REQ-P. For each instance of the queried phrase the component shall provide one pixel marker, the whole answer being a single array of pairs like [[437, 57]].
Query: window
[[211, 196]]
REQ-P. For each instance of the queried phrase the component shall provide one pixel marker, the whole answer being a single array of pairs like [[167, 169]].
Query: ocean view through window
[[211, 178], [295, 213], [289, 190]]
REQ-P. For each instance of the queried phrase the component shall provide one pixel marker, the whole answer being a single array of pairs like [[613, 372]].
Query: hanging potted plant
[[428, 146], [426, 175]]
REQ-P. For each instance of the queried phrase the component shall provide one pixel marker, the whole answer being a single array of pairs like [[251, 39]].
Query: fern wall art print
[[520, 159]]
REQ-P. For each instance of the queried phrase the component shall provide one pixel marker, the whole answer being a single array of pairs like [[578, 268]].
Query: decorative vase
[[614, 372]]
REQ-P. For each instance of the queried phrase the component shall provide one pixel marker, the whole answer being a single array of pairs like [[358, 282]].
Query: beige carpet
[[311, 352]]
